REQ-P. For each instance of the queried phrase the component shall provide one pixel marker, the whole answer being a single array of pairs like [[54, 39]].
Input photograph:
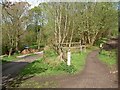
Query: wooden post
[[85, 48], [80, 47], [68, 58]]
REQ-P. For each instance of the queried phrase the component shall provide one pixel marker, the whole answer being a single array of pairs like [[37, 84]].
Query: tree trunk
[[80, 47], [39, 34], [71, 35], [10, 52], [16, 46]]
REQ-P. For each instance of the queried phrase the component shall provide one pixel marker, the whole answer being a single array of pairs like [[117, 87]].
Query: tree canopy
[[54, 23]]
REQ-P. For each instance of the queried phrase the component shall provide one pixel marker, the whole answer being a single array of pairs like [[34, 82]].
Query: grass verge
[[51, 66], [7, 59], [108, 57]]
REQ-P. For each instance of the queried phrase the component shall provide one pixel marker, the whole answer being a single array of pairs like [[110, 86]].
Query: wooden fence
[[73, 45]]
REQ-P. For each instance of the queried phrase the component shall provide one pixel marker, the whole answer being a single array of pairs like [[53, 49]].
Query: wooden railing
[[73, 45]]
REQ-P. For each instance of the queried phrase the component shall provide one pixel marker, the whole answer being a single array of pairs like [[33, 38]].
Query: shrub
[[66, 68], [35, 67], [50, 53]]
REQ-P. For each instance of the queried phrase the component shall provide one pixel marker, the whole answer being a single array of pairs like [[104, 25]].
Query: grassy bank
[[51, 66], [108, 57], [7, 59]]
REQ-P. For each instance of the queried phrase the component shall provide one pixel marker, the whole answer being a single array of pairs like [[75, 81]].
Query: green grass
[[51, 66], [7, 59], [40, 68], [78, 60], [108, 57]]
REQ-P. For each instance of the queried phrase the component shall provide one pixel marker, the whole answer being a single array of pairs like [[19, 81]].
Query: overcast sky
[[36, 2], [32, 2]]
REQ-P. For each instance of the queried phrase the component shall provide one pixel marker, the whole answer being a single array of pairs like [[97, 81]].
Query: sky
[[36, 2], [32, 2]]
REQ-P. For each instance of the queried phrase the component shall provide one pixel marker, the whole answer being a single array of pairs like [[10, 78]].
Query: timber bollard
[[69, 58]]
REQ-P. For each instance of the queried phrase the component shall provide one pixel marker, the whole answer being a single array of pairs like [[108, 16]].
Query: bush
[[35, 67], [111, 53], [50, 53], [36, 46], [64, 67], [33, 46], [102, 40], [50, 66]]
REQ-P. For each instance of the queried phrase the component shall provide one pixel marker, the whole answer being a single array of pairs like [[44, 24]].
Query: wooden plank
[[71, 47], [71, 43]]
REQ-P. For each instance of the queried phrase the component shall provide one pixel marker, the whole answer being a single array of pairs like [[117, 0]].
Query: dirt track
[[95, 75]]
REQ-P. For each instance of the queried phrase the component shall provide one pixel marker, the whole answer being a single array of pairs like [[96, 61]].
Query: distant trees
[[36, 20], [14, 24]]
